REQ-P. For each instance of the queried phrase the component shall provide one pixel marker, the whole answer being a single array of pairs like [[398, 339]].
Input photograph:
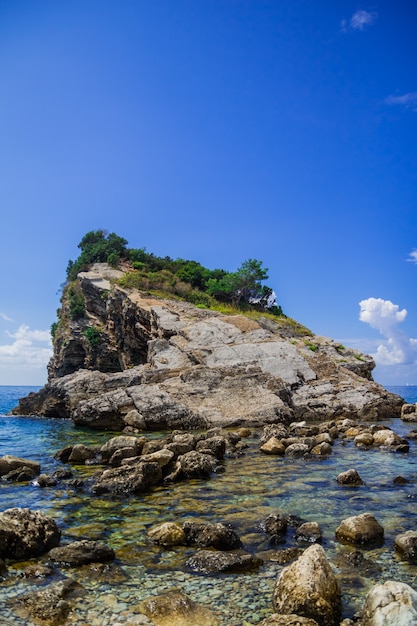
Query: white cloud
[[413, 257], [5, 317], [407, 100], [362, 18], [30, 349], [385, 316], [359, 20]]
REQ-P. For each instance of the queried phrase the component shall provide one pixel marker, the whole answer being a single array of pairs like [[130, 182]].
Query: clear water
[[252, 487]]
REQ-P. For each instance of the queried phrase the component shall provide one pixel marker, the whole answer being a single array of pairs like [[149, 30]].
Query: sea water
[[252, 486]]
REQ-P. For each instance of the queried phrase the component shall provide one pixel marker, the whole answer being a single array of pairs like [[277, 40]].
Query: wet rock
[[278, 431], [175, 608], [282, 556], [400, 480], [25, 534], [364, 440], [287, 620], [9, 463], [409, 412], [81, 553], [273, 446], [213, 562], [219, 536], [120, 455], [38, 570], [195, 465], [297, 449], [49, 605], [122, 441], [275, 526], [181, 444], [361, 530], [406, 544], [162, 457], [3, 568], [322, 449], [128, 479], [308, 587], [213, 445], [81, 453], [309, 532], [62, 474], [350, 477], [45, 480], [20, 475], [386, 438], [168, 534], [390, 604]]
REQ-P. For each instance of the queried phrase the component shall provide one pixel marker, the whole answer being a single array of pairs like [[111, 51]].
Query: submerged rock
[[49, 605], [174, 608]]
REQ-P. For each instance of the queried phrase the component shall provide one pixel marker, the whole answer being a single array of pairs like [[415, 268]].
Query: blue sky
[[215, 130]]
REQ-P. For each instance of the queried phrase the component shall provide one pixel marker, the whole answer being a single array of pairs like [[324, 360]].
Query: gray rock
[[214, 562], [406, 544], [25, 534], [219, 536], [49, 605], [128, 479], [81, 553], [350, 477], [361, 530], [390, 604], [308, 587], [10, 463]]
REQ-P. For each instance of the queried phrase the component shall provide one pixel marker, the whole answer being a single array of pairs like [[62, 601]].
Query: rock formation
[[133, 361]]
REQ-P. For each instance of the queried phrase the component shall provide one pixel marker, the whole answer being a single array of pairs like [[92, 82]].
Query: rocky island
[[137, 362]]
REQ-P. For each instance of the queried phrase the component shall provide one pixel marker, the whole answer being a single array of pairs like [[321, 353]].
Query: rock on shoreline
[[163, 364]]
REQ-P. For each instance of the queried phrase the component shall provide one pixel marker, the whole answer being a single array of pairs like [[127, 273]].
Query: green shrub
[[93, 335], [76, 301]]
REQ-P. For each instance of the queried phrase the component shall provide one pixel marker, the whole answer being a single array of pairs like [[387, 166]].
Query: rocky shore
[[216, 386]]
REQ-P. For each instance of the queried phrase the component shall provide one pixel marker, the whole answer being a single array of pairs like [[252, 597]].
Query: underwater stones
[[82, 552], [9, 463], [390, 604], [25, 533], [361, 530], [288, 620], [406, 544], [215, 561], [49, 605], [350, 477], [308, 587], [175, 608], [168, 534], [220, 536]]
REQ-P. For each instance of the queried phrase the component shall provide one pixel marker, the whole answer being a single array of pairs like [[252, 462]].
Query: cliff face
[[137, 362]]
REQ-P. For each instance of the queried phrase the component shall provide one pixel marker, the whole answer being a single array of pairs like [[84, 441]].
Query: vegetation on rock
[[184, 279]]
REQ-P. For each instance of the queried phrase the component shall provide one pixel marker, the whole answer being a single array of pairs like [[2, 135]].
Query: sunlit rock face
[[134, 361]]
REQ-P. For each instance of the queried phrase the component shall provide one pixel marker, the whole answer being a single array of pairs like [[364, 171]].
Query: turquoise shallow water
[[251, 487]]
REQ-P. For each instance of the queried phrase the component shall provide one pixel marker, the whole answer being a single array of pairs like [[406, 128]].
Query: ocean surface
[[251, 487]]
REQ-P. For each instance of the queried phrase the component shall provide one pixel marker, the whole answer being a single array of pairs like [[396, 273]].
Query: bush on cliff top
[[185, 279]]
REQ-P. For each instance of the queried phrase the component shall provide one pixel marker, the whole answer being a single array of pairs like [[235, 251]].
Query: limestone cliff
[[143, 363]]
